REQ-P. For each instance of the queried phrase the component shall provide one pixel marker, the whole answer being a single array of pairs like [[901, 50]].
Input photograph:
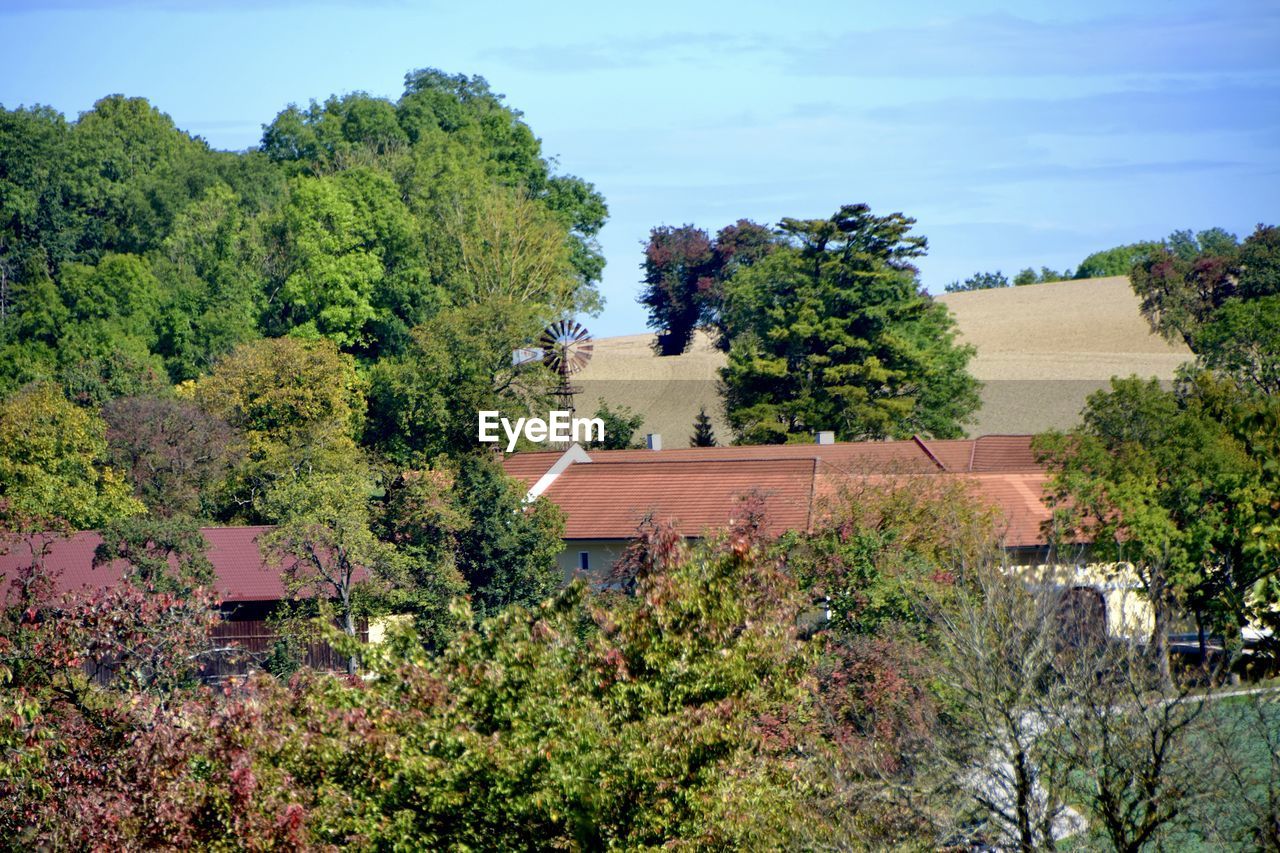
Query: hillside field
[[1042, 349]]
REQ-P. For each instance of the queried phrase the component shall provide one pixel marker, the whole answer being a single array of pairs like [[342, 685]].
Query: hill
[[1042, 349]]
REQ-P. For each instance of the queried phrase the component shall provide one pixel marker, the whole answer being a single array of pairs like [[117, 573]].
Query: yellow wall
[[1129, 612]]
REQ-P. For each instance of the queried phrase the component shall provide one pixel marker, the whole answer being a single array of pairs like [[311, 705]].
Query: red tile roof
[[986, 453], [700, 487], [607, 500], [233, 551]]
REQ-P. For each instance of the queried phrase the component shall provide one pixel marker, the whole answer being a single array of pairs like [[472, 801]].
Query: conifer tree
[[703, 436]]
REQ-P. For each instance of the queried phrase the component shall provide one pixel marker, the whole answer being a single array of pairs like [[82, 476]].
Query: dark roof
[[242, 574]]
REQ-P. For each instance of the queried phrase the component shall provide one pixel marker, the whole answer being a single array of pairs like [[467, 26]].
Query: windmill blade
[[525, 355], [566, 346]]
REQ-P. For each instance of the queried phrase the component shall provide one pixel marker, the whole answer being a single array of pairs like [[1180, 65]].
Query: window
[[584, 561]]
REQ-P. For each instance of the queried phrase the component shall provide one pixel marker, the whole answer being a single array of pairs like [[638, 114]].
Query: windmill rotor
[[566, 346]]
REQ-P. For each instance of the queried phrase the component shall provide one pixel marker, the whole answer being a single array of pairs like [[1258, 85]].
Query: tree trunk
[[1160, 642], [349, 625]]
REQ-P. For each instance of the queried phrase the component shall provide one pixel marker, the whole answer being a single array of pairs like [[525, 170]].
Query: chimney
[[653, 441], [826, 436]]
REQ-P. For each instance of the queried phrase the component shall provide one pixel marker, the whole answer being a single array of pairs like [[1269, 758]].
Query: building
[[247, 583], [605, 495]]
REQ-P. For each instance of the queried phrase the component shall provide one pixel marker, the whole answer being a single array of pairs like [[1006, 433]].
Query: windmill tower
[[566, 349]]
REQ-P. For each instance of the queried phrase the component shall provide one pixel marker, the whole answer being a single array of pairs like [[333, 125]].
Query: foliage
[[620, 425], [1242, 341], [323, 541], [1044, 276], [979, 281], [833, 332], [52, 462], [1154, 479], [703, 434], [506, 552], [422, 516], [424, 402], [1116, 261], [685, 271], [165, 554], [679, 269], [132, 255], [177, 455], [297, 408], [674, 718]]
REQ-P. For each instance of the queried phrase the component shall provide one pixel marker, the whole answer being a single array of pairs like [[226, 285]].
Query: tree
[[213, 265], [1260, 263], [506, 551], [1116, 261], [685, 272], [323, 538], [1179, 295], [979, 281], [1044, 276], [337, 258], [297, 406], [510, 249], [1242, 341], [163, 554], [833, 332], [53, 462], [177, 455], [424, 402], [1050, 740], [1150, 478], [703, 434], [620, 425], [423, 516], [679, 267]]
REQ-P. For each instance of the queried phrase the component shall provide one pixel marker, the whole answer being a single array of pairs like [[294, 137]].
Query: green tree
[[1116, 261], [164, 554], [324, 538], [424, 402], [834, 332], [703, 434], [212, 267], [52, 463], [507, 549], [1152, 479], [423, 516], [620, 425], [1242, 341], [298, 408], [979, 281]]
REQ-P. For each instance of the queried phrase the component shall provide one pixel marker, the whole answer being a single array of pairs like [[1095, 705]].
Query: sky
[[1017, 134]]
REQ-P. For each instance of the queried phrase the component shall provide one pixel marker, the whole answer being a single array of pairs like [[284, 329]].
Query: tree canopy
[[832, 331]]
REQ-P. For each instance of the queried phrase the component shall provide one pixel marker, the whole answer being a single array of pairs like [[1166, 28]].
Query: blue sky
[[1017, 134]]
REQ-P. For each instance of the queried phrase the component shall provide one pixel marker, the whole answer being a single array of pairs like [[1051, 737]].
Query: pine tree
[[702, 434]]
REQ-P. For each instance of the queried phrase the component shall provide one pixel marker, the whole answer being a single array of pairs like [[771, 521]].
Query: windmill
[[566, 349]]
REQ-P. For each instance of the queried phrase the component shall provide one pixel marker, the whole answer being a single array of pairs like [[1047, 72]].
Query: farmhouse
[[605, 495]]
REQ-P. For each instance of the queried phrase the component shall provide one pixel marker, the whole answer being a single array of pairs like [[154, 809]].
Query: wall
[[601, 555]]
